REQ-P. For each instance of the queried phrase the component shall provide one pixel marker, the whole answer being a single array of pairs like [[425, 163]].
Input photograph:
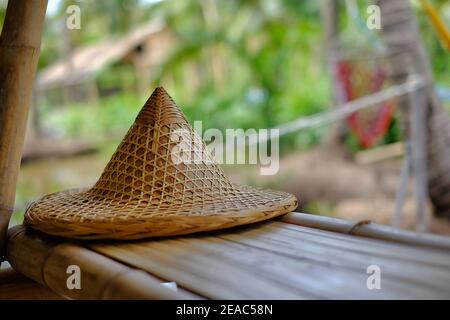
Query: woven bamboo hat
[[143, 192]]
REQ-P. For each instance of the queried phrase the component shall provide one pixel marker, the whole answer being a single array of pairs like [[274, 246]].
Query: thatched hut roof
[[86, 62]]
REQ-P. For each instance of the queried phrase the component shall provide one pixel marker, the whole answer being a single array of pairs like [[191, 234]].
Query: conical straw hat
[[145, 192]]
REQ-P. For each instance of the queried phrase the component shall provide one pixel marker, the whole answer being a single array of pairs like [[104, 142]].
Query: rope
[[339, 112]]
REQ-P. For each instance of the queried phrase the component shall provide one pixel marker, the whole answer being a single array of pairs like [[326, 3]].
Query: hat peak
[[144, 161], [160, 109]]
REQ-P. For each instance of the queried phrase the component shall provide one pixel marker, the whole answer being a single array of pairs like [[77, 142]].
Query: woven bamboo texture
[[145, 191]]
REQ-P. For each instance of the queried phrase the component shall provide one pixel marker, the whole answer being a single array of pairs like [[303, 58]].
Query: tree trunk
[[408, 56], [19, 52]]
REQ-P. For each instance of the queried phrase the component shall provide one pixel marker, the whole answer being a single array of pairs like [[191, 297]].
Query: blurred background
[[231, 64]]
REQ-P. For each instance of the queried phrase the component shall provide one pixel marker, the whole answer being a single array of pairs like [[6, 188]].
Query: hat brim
[[74, 214]]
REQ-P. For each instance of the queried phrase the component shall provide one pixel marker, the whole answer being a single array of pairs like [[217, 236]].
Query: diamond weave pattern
[[145, 190]]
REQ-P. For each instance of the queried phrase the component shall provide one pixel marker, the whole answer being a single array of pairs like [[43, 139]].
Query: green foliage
[[113, 115], [394, 133], [275, 71], [270, 52], [439, 55], [321, 208], [3, 4]]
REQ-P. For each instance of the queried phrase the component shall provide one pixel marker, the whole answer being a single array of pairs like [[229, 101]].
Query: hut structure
[[295, 256], [141, 48]]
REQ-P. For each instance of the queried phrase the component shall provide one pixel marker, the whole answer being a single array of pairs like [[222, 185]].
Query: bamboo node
[[6, 209], [357, 224]]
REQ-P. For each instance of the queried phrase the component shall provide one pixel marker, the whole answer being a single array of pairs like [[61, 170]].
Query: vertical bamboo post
[[19, 52], [418, 105], [402, 186]]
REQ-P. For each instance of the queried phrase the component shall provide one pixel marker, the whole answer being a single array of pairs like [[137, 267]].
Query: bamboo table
[[290, 258]]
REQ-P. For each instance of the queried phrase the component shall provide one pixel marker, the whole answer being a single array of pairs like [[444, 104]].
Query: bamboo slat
[[367, 246], [203, 272], [46, 262], [14, 286], [280, 260], [367, 229], [270, 260], [399, 264]]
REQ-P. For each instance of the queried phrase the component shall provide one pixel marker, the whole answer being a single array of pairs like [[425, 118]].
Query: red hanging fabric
[[357, 80]]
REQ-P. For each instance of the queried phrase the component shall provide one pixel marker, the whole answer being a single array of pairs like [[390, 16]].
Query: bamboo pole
[[339, 112], [46, 261], [367, 229], [418, 115], [19, 52], [15, 286]]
